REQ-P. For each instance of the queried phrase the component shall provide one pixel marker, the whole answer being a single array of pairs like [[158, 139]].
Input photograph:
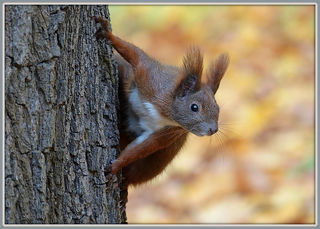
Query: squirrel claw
[[104, 23], [103, 30], [108, 168], [95, 19], [115, 166], [98, 19], [99, 34], [112, 167]]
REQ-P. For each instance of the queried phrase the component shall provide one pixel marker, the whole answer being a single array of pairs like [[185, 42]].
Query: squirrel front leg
[[145, 145], [128, 51]]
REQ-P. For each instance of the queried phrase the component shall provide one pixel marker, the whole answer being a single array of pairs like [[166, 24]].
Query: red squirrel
[[160, 105]]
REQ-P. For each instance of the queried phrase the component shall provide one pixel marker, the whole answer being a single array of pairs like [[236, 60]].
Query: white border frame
[[162, 3]]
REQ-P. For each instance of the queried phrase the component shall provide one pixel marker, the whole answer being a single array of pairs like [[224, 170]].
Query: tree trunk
[[61, 100]]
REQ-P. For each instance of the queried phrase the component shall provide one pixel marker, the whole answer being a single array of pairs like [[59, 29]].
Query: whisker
[[223, 134], [226, 124], [208, 146], [220, 142], [220, 147], [228, 130]]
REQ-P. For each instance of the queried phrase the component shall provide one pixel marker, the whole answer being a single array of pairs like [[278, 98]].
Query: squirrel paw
[[115, 166], [104, 29], [108, 171]]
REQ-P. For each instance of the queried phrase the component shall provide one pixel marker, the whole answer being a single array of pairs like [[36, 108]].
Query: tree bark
[[61, 102]]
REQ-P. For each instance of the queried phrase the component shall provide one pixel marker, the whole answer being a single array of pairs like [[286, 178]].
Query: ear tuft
[[216, 71], [193, 62], [190, 79]]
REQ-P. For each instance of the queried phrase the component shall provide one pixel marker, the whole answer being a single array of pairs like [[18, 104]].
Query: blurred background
[[260, 167]]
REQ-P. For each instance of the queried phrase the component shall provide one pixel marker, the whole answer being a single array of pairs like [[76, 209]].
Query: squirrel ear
[[191, 72], [216, 71], [187, 85]]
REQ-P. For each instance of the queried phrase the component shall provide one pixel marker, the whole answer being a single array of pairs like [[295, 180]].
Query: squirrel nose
[[212, 130]]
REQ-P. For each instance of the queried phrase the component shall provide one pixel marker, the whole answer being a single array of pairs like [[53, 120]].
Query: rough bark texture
[[60, 117]]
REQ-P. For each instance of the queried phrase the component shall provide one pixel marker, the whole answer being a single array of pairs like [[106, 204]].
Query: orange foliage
[[260, 167]]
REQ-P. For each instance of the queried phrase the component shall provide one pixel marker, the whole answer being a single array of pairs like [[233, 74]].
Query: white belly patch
[[150, 120]]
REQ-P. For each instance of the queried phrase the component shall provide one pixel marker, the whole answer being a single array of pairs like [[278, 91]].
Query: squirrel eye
[[194, 107]]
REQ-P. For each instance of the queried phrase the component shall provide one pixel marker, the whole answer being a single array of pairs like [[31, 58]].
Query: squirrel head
[[194, 106]]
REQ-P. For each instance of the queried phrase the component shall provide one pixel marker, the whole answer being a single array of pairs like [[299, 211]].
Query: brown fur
[[216, 71], [145, 169], [171, 92], [126, 50], [156, 141]]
